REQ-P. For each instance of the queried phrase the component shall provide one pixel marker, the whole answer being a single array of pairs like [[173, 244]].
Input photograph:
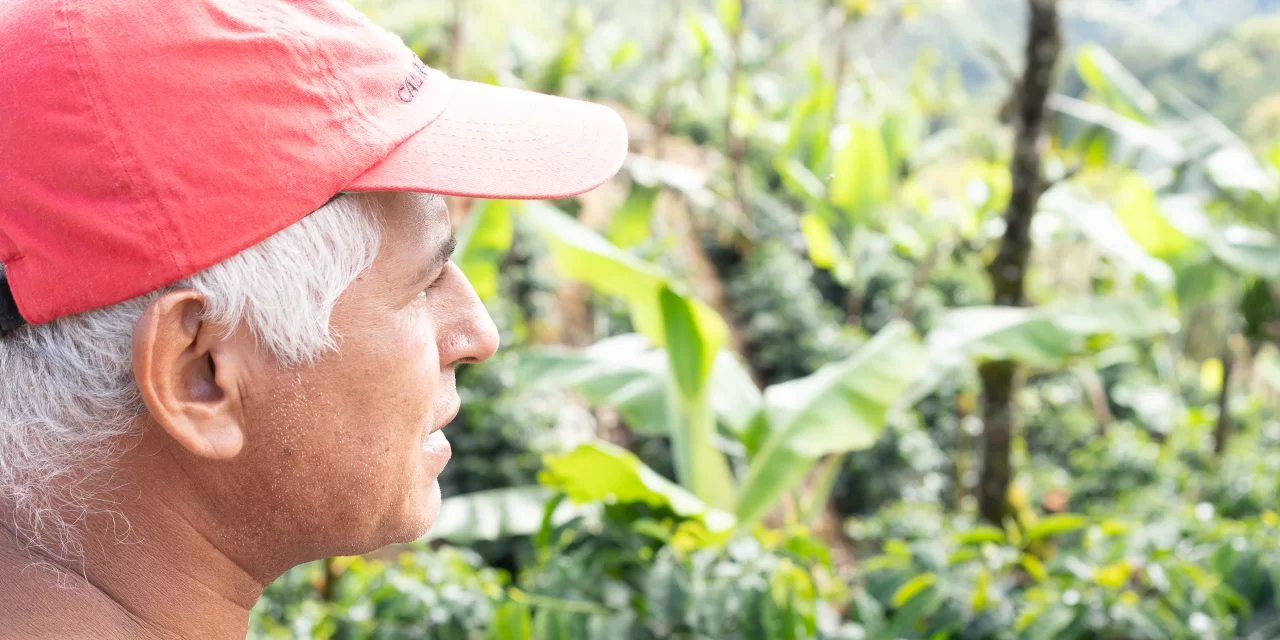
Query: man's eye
[[434, 283]]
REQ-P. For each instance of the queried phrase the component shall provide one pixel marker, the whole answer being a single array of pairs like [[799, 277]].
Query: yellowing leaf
[[981, 534], [980, 586], [1136, 208], [1112, 576], [822, 244], [1112, 527], [1211, 375], [861, 182], [1054, 525], [913, 587], [1034, 567], [730, 14], [857, 7]]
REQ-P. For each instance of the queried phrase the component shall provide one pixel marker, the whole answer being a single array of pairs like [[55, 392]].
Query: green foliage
[[848, 223], [788, 329], [445, 593]]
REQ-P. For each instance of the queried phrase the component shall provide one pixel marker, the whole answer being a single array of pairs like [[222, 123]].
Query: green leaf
[[1048, 624], [493, 515], [1034, 567], [910, 588], [632, 221], [1040, 336], [1130, 132], [511, 622], [978, 535], [623, 372], [1120, 89], [730, 14], [798, 179], [483, 240], [980, 587], [841, 407], [1235, 167], [1248, 250], [1102, 226], [823, 250], [690, 352], [1055, 525], [861, 183], [736, 400], [603, 472], [903, 128], [584, 255], [626, 373], [626, 53], [1140, 216], [1274, 156], [692, 342], [1002, 333]]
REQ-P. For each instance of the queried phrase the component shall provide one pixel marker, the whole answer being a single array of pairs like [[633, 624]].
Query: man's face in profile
[[214, 370], [342, 455]]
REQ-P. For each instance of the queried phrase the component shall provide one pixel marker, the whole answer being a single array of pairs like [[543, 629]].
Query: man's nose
[[475, 337]]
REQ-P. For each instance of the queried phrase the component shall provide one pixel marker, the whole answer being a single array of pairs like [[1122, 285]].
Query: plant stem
[[455, 39], [1222, 430], [1007, 271], [736, 147], [1097, 395], [661, 117], [921, 276], [828, 471], [842, 63]]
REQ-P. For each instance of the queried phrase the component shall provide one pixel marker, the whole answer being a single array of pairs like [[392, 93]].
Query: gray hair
[[68, 400]]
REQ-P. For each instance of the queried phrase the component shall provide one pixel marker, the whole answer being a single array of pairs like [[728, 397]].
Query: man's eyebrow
[[440, 255], [446, 250]]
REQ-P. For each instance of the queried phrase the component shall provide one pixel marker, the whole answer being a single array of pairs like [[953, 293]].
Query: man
[[229, 320]]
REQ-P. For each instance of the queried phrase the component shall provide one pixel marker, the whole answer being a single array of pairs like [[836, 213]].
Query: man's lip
[[453, 413]]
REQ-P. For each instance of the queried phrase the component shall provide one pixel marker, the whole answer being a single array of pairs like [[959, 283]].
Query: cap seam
[[303, 39], [364, 120], [150, 205]]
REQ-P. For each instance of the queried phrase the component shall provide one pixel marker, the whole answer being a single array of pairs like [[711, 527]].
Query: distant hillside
[[1235, 74], [1224, 54]]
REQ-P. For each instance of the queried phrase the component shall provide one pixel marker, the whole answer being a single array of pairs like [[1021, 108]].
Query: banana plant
[[781, 433], [675, 378]]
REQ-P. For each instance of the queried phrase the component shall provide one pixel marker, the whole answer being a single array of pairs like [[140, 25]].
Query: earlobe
[[184, 377]]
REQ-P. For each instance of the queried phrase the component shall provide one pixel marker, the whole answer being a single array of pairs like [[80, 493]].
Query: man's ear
[[187, 374]]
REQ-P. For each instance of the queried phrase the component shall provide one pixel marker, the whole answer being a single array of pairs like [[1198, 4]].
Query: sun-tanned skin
[[244, 469]]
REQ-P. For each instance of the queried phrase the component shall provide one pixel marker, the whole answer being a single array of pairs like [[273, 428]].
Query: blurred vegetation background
[[904, 319]]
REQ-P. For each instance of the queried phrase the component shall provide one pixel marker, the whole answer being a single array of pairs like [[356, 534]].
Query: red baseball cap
[[144, 141]]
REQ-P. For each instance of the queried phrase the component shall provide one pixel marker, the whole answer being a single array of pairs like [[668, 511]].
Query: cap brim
[[503, 143]]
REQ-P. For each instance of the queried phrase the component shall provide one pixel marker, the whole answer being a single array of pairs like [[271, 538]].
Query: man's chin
[[420, 515]]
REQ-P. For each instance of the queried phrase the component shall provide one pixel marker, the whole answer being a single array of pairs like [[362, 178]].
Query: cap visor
[[503, 143]]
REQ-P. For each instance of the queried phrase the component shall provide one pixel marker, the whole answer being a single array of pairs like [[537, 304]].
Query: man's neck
[[160, 578]]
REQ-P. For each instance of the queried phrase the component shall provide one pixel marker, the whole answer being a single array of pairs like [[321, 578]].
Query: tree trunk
[[1222, 430], [997, 436], [1008, 269]]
